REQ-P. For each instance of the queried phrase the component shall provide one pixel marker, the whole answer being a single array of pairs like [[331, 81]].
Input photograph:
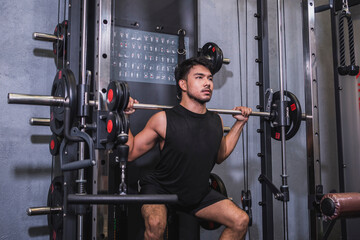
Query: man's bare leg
[[155, 216], [227, 213]]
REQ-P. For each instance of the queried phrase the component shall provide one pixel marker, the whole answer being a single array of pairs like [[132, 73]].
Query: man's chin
[[205, 100]]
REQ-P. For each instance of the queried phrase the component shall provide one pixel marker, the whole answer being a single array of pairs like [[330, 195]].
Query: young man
[[191, 142]]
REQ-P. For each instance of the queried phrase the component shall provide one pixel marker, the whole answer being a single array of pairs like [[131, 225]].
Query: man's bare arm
[[145, 140], [229, 142]]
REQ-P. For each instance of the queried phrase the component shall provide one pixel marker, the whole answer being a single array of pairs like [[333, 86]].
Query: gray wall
[[26, 66]]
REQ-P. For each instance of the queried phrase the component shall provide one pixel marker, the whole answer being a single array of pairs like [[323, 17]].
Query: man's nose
[[207, 82]]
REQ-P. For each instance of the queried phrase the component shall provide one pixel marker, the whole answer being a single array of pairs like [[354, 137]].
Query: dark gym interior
[[65, 174]]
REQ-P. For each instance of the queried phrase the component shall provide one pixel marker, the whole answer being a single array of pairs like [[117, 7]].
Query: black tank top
[[191, 148]]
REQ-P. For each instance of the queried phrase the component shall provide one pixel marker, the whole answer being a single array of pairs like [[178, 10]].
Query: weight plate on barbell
[[117, 96], [295, 116], [212, 51], [126, 95], [114, 95], [218, 185], [55, 199]]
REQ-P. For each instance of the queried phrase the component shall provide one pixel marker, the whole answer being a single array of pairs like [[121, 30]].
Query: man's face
[[199, 84]]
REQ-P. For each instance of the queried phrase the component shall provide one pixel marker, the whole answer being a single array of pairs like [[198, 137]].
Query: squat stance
[[191, 142]]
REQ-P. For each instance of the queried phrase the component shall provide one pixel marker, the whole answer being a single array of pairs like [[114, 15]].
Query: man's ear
[[182, 84]]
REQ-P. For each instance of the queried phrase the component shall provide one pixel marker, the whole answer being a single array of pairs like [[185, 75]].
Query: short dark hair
[[182, 70]]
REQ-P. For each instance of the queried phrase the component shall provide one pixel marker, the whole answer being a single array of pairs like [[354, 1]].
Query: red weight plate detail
[[277, 135], [110, 95], [54, 235], [293, 107], [60, 74], [213, 49], [109, 126], [52, 144]]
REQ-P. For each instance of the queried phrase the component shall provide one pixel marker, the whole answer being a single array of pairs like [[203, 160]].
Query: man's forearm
[[231, 139], [130, 143]]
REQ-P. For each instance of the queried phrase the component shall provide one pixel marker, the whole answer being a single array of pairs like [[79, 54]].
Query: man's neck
[[193, 106]]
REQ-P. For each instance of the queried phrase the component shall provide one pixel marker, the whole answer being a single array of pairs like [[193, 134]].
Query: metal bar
[[39, 121], [43, 210], [35, 99], [76, 165], [265, 130], [226, 61], [83, 80], [312, 125], [282, 79], [46, 37], [122, 199], [46, 121], [323, 8], [220, 111], [337, 88]]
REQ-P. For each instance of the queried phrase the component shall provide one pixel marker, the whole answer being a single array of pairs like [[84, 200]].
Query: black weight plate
[[114, 95], [295, 115], [113, 127], [215, 55], [54, 145], [218, 185], [55, 199], [57, 112], [58, 46], [125, 97], [71, 91], [64, 86], [58, 90]]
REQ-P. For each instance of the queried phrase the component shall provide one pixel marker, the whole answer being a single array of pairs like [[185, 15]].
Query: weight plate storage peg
[[295, 116], [64, 86], [218, 185]]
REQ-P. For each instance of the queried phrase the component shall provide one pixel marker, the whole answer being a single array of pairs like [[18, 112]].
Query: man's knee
[[241, 222], [157, 222], [156, 226]]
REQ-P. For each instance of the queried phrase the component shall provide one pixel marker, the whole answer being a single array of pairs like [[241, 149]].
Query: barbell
[[64, 94], [118, 96]]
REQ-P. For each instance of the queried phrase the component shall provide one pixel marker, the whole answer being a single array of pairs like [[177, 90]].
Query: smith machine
[[121, 48]]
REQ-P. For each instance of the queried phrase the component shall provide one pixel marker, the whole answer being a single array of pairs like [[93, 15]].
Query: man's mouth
[[206, 91]]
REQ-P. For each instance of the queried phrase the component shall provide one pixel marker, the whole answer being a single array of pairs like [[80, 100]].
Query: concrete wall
[[26, 66]]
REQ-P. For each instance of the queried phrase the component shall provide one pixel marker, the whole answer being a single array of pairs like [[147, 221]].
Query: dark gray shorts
[[209, 199]]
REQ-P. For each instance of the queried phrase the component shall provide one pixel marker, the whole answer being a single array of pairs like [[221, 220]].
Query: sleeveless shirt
[[191, 148]]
